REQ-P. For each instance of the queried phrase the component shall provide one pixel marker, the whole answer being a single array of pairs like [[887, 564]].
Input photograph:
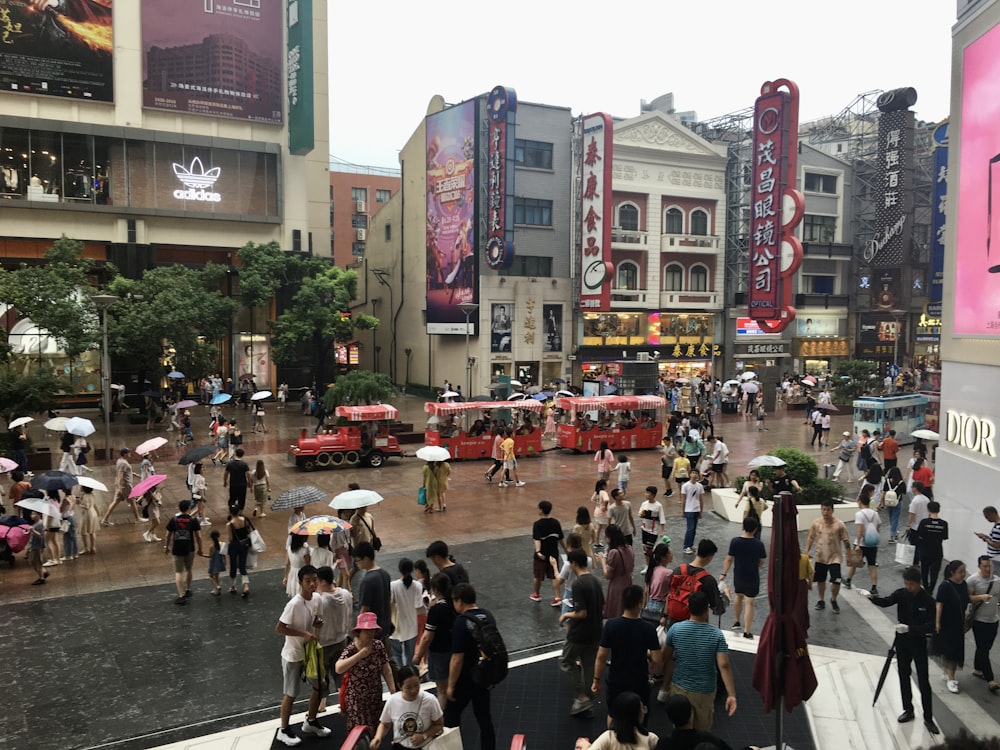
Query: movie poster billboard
[[553, 315], [977, 239], [452, 261], [501, 326], [62, 49], [214, 57]]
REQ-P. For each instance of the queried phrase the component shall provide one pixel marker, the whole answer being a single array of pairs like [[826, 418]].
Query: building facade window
[[358, 249], [673, 221], [628, 217], [382, 196], [359, 194], [388, 232], [627, 276], [533, 154], [673, 278], [818, 228], [819, 284], [699, 279], [821, 183], [359, 221], [529, 265], [533, 211], [699, 222]]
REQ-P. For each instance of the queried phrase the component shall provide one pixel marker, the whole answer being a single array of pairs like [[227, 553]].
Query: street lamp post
[[896, 315], [103, 302], [468, 308]]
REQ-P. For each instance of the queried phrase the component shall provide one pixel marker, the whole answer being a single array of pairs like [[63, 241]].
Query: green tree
[[170, 307], [358, 387], [860, 374], [265, 269], [318, 317], [22, 394]]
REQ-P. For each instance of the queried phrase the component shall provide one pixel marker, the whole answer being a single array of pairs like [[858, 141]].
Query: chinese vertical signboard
[[939, 219], [60, 49], [776, 208], [211, 57], [299, 69], [596, 270], [452, 262], [501, 110], [976, 198], [894, 207]]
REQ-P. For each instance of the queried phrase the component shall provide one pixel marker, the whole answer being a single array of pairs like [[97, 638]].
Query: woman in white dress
[[297, 556]]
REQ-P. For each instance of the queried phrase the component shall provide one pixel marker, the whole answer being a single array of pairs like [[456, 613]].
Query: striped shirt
[[695, 646], [994, 551]]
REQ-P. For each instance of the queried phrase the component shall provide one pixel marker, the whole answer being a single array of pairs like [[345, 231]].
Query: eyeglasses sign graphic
[[198, 181]]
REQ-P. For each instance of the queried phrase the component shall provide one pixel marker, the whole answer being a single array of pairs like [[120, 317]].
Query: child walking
[[624, 470], [761, 413], [216, 562]]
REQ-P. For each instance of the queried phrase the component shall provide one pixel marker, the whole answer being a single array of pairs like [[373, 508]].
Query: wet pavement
[[105, 659]]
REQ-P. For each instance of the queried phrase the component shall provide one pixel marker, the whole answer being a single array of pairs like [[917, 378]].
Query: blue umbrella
[[540, 397], [220, 399], [175, 374], [610, 389]]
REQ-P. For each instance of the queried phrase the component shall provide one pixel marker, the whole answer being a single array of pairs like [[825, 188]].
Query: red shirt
[[890, 448], [923, 475]]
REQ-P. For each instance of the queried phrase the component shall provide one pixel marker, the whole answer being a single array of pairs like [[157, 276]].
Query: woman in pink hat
[[364, 664]]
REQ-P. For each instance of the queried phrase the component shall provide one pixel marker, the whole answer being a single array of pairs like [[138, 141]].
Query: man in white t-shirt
[[299, 622], [918, 512], [652, 523], [336, 608], [718, 458], [692, 491]]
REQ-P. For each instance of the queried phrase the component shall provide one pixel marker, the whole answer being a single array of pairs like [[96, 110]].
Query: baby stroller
[[14, 535]]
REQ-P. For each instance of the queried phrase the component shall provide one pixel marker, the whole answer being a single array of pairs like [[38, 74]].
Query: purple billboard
[[210, 57], [452, 260]]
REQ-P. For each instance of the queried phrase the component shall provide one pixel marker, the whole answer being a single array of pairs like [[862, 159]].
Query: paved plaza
[[102, 658]]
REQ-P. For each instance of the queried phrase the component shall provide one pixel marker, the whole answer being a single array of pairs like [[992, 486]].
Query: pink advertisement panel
[[977, 243]]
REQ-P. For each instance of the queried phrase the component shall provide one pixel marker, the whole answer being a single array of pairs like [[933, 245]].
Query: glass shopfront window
[[614, 329], [71, 168]]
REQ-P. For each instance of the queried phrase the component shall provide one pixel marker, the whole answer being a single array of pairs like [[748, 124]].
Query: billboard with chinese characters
[[299, 51], [501, 111], [939, 220], [57, 49], [894, 173], [776, 208], [977, 251], [451, 228], [214, 57], [596, 270]]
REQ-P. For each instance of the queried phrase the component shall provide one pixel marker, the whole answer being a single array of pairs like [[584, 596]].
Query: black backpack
[[491, 666]]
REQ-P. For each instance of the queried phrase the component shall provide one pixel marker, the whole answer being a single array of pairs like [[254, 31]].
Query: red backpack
[[683, 583]]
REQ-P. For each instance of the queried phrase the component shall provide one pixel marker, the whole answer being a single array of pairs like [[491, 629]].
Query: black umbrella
[[54, 480], [196, 454], [885, 671], [299, 497]]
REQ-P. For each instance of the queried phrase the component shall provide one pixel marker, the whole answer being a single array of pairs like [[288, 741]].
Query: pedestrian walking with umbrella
[[915, 610]]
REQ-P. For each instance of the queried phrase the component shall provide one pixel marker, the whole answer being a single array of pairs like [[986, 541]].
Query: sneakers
[[187, 594], [874, 590], [581, 706], [689, 550], [643, 571], [662, 695], [287, 737], [180, 600], [206, 522], [846, 583], [501, 484], [952, 686], [736, 625], [669, 493], [555, 602], [535, 598], [107, 523], [834, 606], [489, 477], [892, 539], [820, 605], [311, 726], [519, 484], [154, 538], [748, 635], [145, 535], [50, 563]]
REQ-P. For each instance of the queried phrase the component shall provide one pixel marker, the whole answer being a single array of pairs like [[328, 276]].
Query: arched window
[[673, 278], [627, 276], [673, 221], [699, 279], [628, 217], [699, 222]]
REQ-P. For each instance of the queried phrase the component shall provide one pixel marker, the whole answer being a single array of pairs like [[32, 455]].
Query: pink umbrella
[[7, 465], [150, 445], [147, 484], [186, 404]]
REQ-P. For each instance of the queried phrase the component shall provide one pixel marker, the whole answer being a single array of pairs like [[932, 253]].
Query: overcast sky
[[388, 59]]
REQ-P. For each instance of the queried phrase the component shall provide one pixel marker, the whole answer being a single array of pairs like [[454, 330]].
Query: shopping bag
[[422, 496], [257, 542], [904, 553]]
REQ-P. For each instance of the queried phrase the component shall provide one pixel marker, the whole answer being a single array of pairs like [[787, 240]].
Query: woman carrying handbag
[[240, 529]]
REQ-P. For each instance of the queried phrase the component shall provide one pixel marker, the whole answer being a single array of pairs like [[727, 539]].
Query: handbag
[[653, 611], [257, 542], [973, 608], [855, 558], [904, 553], [64, 527], [223, 548], [376, 542], [422, 496]]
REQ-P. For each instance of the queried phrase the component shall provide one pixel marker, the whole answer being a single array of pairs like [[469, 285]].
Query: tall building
[[357, 194], [173, 142]]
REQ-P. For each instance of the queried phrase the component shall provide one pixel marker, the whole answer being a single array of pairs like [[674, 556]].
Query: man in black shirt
[[583, 633], [547, 535], [916, 612], [931, 534], [437, 553], [237, 479], [781, 482], [183, 542], [462, 687], [631, 643], [685, 736], [373, 596]]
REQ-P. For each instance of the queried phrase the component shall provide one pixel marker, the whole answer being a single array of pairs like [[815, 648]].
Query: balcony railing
[[689, 243], [628, 236], [691, 300]]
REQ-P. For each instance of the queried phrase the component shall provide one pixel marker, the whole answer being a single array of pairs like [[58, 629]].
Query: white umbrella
[[56, 424], [567, 394], [730, 382], [450, 394], [517, 383], [80, 426], [751, 388], [925, 434], [756, 463], [150, 445], [86, 481], [261, 395], [39, 504], [353, 499], [535, 389], [433, 453], [517, 396], [20, 421], [682, 381], [748, 375], [117, 387]]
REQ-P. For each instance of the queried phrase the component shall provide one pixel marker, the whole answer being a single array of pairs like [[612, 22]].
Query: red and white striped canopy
[[441, 410], [610, 403], [367, 413]]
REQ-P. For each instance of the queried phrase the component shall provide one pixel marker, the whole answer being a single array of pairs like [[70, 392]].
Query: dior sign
[[972, 433]]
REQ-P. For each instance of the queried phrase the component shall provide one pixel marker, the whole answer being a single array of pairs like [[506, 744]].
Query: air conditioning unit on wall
[[362, 207], [362, 235]]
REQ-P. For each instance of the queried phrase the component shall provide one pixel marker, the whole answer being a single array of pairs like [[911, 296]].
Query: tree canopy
[[358, 387], [861, 378]]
